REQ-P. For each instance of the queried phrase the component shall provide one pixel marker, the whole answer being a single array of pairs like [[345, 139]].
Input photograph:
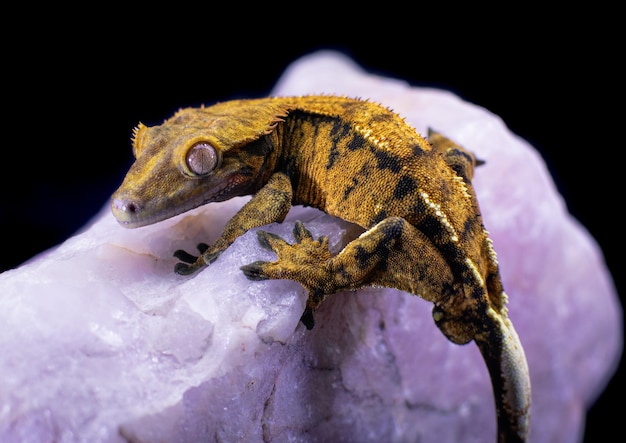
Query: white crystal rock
[[102, 342]]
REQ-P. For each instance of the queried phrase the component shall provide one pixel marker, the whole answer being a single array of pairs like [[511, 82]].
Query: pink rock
[[102, 341]]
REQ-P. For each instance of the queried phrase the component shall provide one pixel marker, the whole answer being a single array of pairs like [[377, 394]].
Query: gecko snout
[[125, 211]]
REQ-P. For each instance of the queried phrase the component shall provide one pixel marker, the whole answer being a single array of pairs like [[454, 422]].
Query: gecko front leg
[[270, 204]]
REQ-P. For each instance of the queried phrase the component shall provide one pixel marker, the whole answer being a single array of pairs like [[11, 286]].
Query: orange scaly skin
[[358, 161]]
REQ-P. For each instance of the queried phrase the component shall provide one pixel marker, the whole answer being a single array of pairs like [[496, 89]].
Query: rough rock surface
[[102, 342]]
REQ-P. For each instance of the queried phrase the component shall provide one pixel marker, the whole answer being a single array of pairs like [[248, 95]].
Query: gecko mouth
[[133, 215], [130, 213]]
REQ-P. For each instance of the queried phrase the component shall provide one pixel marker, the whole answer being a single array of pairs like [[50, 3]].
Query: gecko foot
[[273, 242], [305, 261], [302, 261]]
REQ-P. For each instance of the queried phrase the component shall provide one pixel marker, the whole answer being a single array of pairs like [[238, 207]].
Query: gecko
[[357, 160]]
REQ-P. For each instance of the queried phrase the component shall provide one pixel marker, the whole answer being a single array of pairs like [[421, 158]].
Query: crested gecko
[[356, 160]]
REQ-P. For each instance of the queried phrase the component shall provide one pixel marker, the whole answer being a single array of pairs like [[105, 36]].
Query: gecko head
[[180, 165]]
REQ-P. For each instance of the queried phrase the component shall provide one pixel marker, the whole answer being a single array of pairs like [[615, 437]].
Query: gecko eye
[[202, 158]]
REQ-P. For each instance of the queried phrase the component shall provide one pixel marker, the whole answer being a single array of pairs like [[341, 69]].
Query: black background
[[76, 82]]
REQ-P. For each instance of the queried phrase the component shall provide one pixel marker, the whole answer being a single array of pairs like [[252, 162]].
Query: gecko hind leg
[[379, 258], [309, 262]]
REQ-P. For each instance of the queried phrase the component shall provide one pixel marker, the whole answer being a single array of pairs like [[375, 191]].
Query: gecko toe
[[184, 269], [269, 241], [185, 256], [301, 233], [254, 271]]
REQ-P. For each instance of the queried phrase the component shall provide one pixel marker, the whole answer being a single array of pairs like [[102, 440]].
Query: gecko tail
[[504, 356]]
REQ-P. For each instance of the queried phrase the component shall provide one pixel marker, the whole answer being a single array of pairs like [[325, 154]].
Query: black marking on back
[[338, 132], [417, 150], [405, 186], [356, 142], [350, 188], [332, 156], [430, 225], [380, 217], [387, 161], [470, 225]]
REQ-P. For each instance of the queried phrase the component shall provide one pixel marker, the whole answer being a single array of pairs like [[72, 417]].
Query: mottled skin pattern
[[358, 161]]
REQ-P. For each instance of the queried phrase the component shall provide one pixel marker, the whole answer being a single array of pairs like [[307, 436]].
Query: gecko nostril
[[121, 205]]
